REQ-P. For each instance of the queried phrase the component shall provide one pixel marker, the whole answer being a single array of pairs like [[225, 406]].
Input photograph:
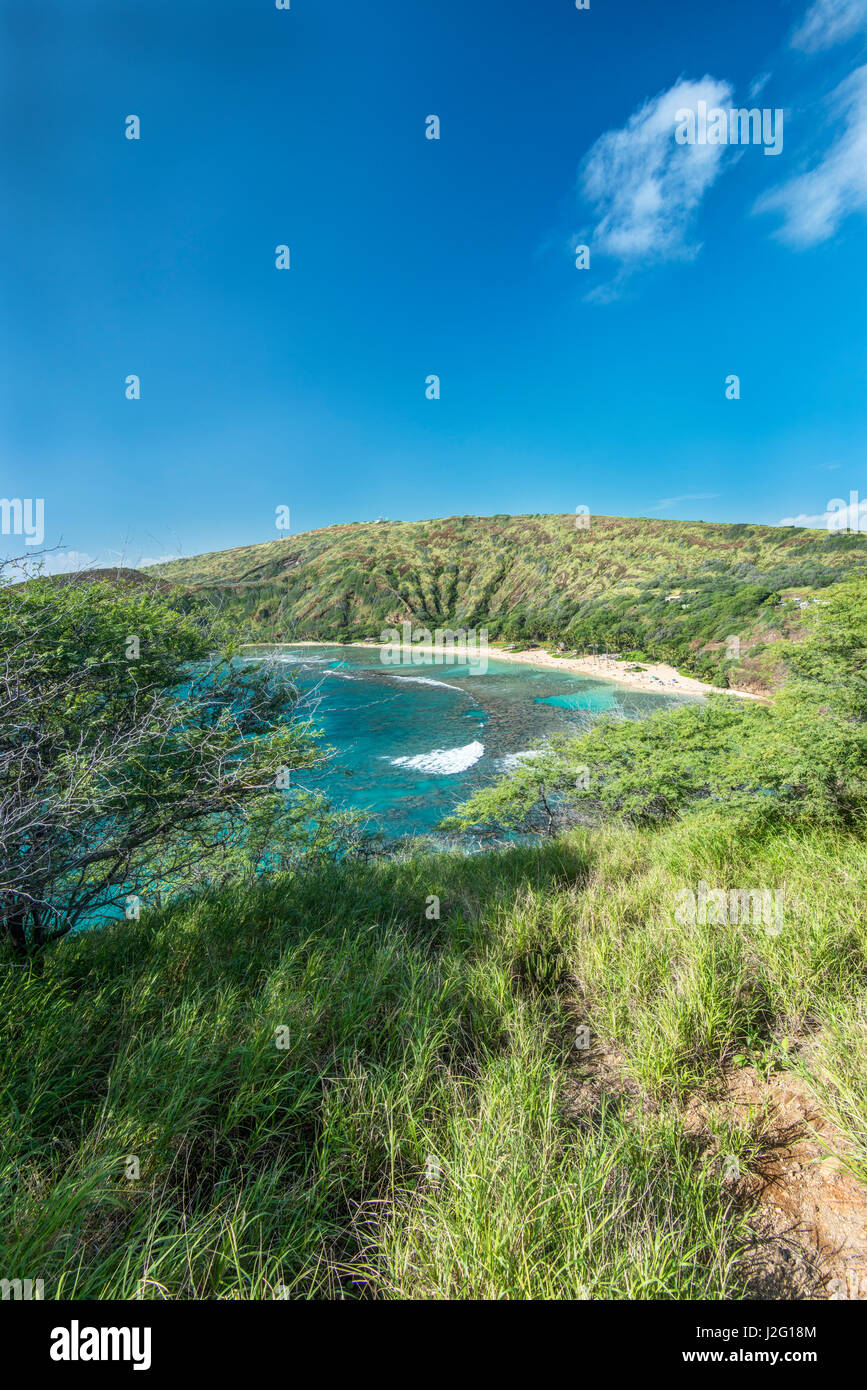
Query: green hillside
[[428, 1128], [668, 590], [621, 1059]]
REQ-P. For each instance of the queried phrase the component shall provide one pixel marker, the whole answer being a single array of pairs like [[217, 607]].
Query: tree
[[644, 771], [823, 707], [129, 751], [804, 756]]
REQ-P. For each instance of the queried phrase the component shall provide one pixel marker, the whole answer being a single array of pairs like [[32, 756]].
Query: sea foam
[[426, 680], [510, 761], [444, 761]]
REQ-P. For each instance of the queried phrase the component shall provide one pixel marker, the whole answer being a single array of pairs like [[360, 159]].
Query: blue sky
[[410, 257]]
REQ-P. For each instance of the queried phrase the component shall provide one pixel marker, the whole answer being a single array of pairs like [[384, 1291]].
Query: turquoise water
[[412, 742]]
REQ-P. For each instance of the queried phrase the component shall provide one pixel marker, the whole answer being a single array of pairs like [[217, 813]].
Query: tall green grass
[[413, 1137]]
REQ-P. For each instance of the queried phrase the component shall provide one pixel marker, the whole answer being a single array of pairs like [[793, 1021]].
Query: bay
[[414, 741]]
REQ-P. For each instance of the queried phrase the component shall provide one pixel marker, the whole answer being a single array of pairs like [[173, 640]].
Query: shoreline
[[654, 676]]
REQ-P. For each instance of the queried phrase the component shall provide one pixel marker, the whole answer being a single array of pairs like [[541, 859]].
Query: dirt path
[[807, 1211]]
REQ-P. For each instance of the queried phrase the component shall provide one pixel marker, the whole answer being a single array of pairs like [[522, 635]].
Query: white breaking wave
[[426, 680], [289, 658], [268, 659], [443, 760], [512, 760], [344, 675]]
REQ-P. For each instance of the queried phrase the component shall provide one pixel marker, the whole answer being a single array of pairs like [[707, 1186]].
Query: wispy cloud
[[684, 497], [758, 85], [815, 203], [829, 22], [644, 187]]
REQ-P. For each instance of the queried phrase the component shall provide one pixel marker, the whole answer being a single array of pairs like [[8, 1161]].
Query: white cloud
[[758, 85], [20, 567], [803, 519], [828, 22], [645, 188], [67, 561], [852, 515], [147, 560], [814, 204]]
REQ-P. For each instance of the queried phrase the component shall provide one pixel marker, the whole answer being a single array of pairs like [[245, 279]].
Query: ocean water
[[412, 742]]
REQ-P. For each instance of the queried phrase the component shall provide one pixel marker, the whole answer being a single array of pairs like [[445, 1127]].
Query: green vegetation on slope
[[415, 1134], [450, 1076], [803, 757], [533, 578]]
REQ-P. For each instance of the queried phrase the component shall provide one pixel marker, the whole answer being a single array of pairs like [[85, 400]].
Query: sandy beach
[[654, 676]]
